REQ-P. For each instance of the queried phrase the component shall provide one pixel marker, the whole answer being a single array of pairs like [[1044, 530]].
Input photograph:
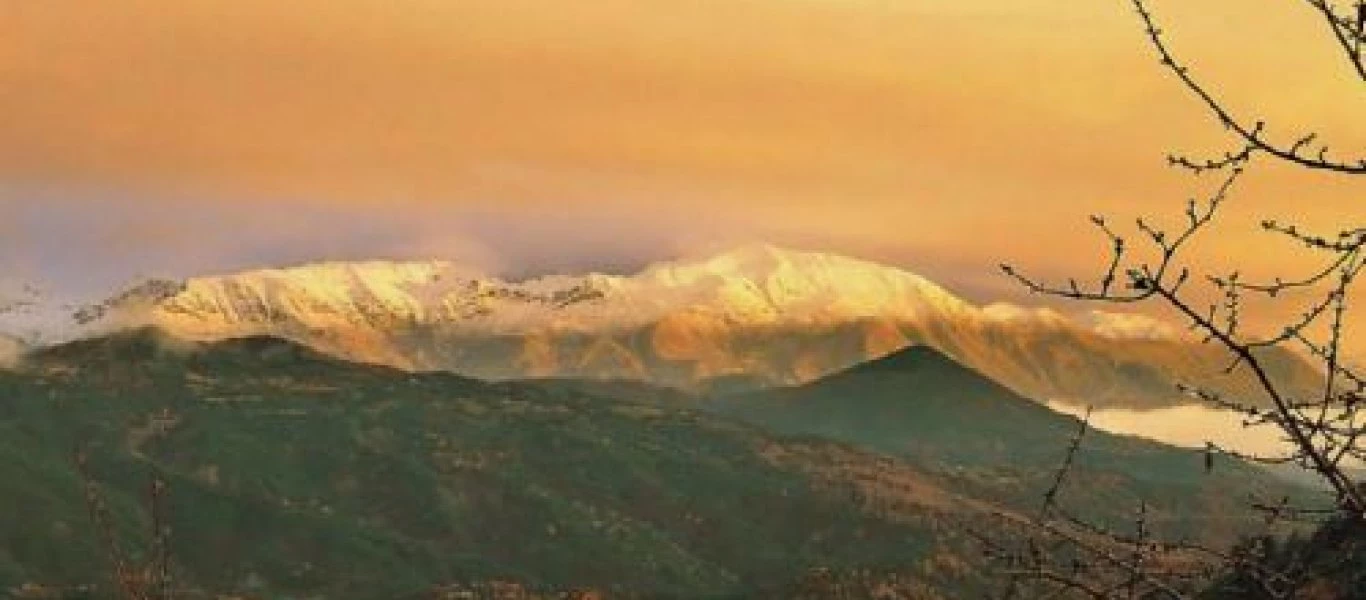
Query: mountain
[[921, 406], [292, 474], [917, 402], [29, 313], [756, 316]]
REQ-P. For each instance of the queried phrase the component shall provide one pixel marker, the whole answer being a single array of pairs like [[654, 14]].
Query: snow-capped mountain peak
[[801, 285], [760, 311], [754, 284]]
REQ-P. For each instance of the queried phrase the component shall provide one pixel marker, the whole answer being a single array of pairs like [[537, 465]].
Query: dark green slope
[[292, 474], [914, 402], [925, 408]]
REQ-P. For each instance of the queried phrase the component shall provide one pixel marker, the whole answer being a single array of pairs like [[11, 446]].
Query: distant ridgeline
[[757, 316]]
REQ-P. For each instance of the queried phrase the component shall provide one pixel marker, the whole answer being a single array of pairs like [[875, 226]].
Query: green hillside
[[295, 475], [924, 408]]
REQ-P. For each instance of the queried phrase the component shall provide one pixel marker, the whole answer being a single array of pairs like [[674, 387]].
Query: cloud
[[1012, 313], [812, 103], [1191, 426], [1129, 326]]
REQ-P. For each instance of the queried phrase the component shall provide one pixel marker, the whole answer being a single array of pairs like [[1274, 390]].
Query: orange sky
[[194, 135]]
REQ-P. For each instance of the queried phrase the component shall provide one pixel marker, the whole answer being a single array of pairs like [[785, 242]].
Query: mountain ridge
[[388, 482], [296, 474], [759, 312], [922, 406], [909, 359]]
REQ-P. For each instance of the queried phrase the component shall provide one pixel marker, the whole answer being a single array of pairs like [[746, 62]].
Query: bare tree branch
[[1303, 150]]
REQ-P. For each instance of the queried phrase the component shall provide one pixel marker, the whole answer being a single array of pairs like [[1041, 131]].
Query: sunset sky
[[173, 137]]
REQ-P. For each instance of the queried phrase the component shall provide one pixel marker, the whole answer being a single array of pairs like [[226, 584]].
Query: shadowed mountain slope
[[293, 474], [923, 407]]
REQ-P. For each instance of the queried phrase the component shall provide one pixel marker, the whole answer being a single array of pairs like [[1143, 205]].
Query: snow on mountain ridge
[[759, 314], [804, 285], [33, 315], [754, 284]]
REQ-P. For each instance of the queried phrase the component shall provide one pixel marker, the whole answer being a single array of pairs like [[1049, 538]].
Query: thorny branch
[[1348, 28], [1322, 430]]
